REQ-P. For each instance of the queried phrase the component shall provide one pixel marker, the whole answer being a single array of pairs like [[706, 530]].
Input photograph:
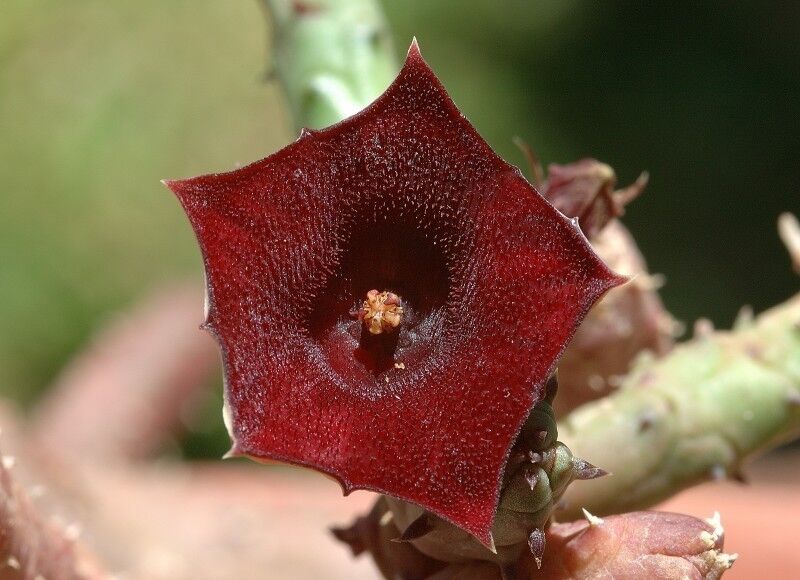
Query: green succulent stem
[[694, 415], [332, 57]]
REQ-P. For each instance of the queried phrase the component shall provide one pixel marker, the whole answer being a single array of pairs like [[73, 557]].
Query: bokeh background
[[101, 99]]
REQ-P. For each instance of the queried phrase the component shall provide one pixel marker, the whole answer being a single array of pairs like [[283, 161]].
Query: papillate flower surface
[[390, 297]]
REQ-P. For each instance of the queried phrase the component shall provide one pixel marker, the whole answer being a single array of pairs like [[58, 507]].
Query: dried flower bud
[[585, 190], [630, 318], [634, 545]]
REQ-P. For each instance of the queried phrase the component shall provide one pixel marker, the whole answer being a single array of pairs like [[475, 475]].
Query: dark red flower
[[403, 197]]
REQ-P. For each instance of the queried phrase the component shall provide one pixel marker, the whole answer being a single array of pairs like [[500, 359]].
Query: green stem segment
[[694, 415], [333, 57]]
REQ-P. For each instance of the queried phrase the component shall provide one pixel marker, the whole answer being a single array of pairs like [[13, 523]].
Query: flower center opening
[[377, 317]]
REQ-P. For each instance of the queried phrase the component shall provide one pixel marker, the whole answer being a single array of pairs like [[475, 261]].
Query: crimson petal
[[404, 196]]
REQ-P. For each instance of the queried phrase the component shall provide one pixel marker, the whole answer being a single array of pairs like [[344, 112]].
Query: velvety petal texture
[[405, 196]]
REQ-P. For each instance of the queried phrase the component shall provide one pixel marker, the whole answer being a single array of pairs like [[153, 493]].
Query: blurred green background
[[101, 99]]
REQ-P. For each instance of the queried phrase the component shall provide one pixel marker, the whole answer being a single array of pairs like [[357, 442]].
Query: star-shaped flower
[[485, 280]]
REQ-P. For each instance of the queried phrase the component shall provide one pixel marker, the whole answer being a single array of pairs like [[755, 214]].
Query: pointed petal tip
[[489, 543], [622, 278], [347, 487], [233, 453], [180, 187], [414, 63], [172, 184], [414, 55], [609, 278], [615, 279], [413, 49]]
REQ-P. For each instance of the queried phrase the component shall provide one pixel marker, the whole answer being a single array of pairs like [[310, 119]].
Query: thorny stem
[[693, 415]]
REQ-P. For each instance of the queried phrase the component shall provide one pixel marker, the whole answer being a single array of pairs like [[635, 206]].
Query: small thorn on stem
[[703, 328], [745, 317], [381, 312], [725, 561], [623, 197], [536, 543], [713, 538], [532, 477], [585, 470], [789, 231], [592, 519], [715, 521]]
